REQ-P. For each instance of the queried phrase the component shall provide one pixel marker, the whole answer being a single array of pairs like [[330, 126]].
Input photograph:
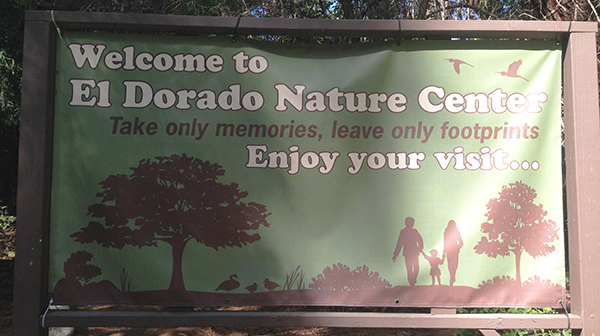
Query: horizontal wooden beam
[[194, 25], [80, 318]]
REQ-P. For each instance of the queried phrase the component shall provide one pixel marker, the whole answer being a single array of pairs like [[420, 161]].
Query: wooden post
[[582, 146], [33, 196]]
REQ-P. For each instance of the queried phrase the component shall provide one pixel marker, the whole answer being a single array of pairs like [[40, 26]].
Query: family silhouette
[[410, 243]]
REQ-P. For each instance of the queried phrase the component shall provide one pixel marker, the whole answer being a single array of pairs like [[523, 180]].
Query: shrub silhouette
[[496, 282], [174, 200], [339, 277], [534, 283]]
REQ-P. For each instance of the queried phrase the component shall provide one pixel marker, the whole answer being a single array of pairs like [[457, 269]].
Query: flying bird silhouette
[[252, 288], [229, 285], [270, 285], [512, 70], [457, 63]]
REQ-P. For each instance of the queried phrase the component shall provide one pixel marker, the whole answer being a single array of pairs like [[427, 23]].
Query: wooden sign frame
[[582, 142]]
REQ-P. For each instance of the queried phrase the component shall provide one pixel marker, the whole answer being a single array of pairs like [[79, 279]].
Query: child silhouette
[[434, 262]]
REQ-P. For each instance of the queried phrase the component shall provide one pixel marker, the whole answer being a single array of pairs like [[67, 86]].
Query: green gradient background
[[317, 220]]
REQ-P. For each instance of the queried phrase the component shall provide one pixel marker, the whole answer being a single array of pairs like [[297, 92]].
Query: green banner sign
[[197, 170]]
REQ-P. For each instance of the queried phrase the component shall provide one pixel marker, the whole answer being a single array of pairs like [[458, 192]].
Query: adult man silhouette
[[412, 242]]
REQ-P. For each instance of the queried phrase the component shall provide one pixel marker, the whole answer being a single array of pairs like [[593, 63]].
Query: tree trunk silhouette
[[177, 284], [518, 253]]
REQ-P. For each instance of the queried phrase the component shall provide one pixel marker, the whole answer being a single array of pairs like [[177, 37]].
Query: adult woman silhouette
[[452, 244]]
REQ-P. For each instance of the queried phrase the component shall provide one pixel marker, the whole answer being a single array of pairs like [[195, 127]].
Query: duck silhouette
[[457, 63], [229, 285], [270, 285], [252, 288], [512, 70]]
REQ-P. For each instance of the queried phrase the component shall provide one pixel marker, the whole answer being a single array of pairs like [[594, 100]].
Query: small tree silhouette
[[173, 199], [515, 224], [77, 267]]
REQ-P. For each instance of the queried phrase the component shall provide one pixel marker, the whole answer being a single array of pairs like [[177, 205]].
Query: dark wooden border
[[34, 180], [582, 142], [194, 25], [582, 137]]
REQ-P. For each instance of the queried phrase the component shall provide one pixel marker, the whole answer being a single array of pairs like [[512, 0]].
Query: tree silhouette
[[77, 267], [173, 199], [515, 224]]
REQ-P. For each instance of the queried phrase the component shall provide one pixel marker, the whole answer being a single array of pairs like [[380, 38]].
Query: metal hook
[[235, 34], [566, 313], [398, 37], [53, 21], [46, 313]]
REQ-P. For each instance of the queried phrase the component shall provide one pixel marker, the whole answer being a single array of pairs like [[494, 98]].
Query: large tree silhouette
[[172, 199], [515, 224]]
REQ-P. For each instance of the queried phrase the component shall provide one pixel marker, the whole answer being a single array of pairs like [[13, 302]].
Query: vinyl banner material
[[198, 171]]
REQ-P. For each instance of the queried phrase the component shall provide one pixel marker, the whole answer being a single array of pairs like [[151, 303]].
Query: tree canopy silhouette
[[173, 199], [515, 224]]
